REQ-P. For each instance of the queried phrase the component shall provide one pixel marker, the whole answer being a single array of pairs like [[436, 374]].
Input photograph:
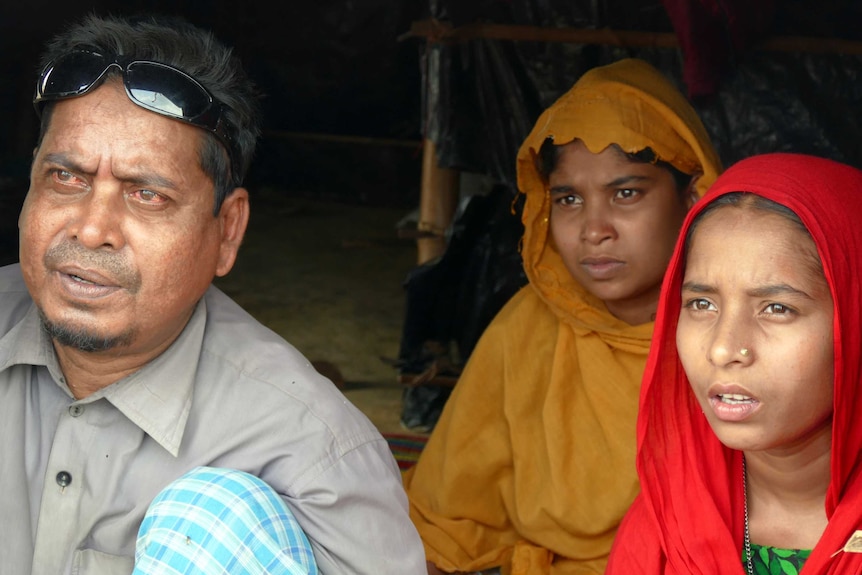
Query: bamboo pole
[[440, 31], [437, 204]]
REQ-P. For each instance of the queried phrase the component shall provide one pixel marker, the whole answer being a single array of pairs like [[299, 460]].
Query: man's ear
[[233, 220]]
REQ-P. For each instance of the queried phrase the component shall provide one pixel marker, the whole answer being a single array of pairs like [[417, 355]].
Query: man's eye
[[149, 197], [65, 177]]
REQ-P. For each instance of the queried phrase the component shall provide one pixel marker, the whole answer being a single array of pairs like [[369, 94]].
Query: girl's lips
[[733, 407], [601, 268]]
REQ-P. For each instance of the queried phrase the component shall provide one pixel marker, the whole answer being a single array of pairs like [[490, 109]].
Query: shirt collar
[[28, 344], [157, 398]]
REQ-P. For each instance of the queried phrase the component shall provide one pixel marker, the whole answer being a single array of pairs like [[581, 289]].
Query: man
[[121, 367]]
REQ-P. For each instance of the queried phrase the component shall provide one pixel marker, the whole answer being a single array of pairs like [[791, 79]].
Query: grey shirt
[[76, 477]]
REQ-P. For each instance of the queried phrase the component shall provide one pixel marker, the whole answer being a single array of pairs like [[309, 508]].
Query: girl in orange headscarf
[[749, 445], [531, 465]]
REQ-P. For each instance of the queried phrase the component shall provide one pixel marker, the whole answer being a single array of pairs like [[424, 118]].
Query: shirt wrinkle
[[331, 458], [78, 476]]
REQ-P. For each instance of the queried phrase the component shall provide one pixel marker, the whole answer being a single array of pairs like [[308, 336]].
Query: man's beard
[[81, 339], [122, 272]]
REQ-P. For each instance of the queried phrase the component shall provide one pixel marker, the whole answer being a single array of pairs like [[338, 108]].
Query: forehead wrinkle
[[142, 179], [148, 180], [697, 287], [139, 129], [63, 159], [760, 291], [777, 289]]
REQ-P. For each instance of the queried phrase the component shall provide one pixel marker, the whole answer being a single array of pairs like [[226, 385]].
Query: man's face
[[118, 240]]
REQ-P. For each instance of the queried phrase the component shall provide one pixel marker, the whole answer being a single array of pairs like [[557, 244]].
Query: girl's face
[[614, 223], [753, 282]]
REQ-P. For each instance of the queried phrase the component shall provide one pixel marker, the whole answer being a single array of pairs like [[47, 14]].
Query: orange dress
[[531, 465]]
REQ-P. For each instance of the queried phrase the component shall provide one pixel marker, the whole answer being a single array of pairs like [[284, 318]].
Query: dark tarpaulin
[[491, 91], [481, 97]]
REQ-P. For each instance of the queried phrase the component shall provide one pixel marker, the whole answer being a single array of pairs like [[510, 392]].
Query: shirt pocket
[[92, 562]]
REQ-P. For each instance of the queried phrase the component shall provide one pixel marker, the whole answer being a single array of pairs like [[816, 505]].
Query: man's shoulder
[[243, 362], [11, 280], [14, 298], [242, 349], [233, 332]]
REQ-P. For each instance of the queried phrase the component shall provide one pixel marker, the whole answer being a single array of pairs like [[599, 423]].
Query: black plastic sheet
[[489, 92]]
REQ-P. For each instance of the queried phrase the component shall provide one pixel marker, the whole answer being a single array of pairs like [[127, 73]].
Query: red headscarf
[[688, 518]]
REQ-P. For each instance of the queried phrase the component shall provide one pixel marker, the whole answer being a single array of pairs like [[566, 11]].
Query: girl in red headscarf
[[748, 437]]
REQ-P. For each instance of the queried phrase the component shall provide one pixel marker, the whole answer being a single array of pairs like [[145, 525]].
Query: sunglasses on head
[[154, 86]]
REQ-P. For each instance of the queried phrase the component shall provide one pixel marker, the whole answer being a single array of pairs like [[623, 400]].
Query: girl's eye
[[569, 200], [777, 309], [700, 304], [627, 194]]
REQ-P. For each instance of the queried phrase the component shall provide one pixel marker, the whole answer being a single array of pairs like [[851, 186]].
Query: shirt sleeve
[[354, 513]]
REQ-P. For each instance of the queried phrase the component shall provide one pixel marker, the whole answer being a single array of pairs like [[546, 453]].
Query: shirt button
[[76, 410], [64, 478]]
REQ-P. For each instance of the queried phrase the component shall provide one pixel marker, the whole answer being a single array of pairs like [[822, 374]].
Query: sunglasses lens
[[71, 75], [166, 90]]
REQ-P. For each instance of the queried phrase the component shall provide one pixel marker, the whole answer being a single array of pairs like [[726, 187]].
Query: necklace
[[747, 540]]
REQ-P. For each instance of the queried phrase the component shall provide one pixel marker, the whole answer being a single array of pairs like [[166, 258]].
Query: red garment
[[688, 518], [712, 33]]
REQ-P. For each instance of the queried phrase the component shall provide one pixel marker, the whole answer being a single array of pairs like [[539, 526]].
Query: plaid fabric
[[221, 522]]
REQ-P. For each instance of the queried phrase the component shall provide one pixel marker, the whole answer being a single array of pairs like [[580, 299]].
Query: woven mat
[[406, 448]]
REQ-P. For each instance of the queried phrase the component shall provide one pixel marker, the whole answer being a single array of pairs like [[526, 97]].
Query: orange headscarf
[[689, 516], [531, 466], [628, 103]]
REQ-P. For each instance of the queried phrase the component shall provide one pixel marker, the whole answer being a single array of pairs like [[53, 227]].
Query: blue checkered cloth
[[215, 521]]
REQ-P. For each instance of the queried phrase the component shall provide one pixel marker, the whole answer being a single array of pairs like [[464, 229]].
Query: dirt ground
[[328, 278]]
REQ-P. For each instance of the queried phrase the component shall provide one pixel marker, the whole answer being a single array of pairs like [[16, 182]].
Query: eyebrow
[[615, 183], [64, 160], [622, 180], [762, 291]]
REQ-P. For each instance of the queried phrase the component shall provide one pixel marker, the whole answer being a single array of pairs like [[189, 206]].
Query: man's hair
[[173, 41], [549, 153]]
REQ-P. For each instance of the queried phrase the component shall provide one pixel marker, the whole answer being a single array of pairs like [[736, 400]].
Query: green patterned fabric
[[776, 561]]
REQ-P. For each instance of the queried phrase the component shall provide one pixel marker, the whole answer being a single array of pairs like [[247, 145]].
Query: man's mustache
[[108, 263]]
